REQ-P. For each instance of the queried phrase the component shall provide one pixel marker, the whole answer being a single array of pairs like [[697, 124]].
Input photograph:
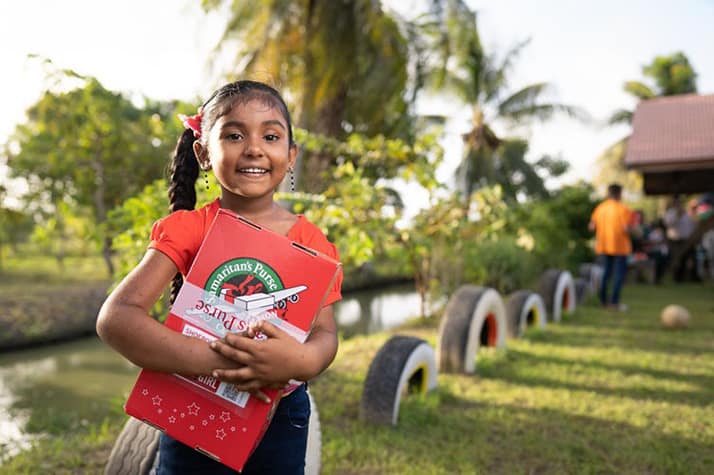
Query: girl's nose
[[252, 147]]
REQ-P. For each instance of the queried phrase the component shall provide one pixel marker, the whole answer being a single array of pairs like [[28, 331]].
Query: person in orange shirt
[[612, 221]]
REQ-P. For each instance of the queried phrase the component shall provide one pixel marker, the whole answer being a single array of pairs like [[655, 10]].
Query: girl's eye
[[271, 137], [234, 136]]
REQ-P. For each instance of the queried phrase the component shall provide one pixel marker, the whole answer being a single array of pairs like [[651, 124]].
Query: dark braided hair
[[184, 165]]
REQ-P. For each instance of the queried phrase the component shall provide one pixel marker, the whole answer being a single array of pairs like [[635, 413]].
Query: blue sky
[[585, 49]]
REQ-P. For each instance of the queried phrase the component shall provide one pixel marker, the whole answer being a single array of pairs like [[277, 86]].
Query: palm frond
[[620, 116], [639, 90]]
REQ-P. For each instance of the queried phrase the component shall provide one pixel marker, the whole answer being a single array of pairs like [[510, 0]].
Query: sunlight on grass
[[600, 392]]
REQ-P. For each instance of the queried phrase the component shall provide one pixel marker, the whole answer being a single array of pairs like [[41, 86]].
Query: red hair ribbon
[[192, 122]]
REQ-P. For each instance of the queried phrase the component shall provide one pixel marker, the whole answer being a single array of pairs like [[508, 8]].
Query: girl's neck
[[264, 212]]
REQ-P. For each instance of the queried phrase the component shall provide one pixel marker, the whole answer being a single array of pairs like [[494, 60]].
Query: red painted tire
[[524, 308], [474, 316], [557, 288]]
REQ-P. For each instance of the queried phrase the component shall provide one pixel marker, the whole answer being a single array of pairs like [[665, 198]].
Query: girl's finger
[[240, 376], [231, 352]]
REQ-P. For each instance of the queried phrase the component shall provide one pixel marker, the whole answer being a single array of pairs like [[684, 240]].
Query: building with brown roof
[[672, 144]]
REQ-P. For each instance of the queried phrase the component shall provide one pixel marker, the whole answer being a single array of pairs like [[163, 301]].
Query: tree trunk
[[328, 122], [101, 210]]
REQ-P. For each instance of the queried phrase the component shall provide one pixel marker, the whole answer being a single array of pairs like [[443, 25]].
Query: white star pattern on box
[[159, 410], [145, 392], [172, 419], [156, 400], [233, 428], [191, 427], [193, 409], [183, 414], [225, 416], [220, 434], [204, 422], [211, 416]]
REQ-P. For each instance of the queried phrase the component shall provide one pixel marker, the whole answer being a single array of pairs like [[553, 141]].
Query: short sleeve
[[310, 235], [178, 236]]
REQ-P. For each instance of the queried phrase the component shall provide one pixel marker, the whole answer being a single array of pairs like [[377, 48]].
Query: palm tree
[[670, 75], [342, 65], [480, 81]]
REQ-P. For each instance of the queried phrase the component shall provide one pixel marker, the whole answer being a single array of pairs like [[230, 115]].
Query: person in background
[[655, 245], [612, 222], [680, 227]]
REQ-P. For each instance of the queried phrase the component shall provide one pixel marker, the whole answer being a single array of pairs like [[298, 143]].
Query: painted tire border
[[557, 288], [518, 306], [400, 358], [468, 309]]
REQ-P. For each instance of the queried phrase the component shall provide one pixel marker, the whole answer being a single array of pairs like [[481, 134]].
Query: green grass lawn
[[601, 392]]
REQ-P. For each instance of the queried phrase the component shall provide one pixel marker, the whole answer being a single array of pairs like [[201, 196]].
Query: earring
[[292, 180]]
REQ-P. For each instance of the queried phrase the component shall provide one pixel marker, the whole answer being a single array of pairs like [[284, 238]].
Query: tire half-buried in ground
[[136, 449], [558, 291], [404, 364], [474, 316], [524, 308]]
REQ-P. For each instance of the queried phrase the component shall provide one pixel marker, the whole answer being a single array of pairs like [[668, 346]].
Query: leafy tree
[[15, 226], [90, 147], [480, 81], [342, 64], [664, 76]]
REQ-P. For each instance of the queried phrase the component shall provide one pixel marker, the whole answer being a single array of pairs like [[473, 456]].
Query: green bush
[[501, 264]]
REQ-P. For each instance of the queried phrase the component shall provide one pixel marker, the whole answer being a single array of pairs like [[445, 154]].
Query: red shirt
[[180, 234]]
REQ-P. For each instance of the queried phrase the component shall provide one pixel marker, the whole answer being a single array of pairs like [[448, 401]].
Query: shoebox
[[241, 274]]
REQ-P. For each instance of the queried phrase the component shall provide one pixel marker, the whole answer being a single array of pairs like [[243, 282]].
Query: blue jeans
[[610, 264], [282, 450]]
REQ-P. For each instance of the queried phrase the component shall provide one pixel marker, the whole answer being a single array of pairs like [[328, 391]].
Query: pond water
[[56, 388]]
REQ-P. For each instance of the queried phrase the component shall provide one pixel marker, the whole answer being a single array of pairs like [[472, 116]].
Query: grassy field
[[601, 392]]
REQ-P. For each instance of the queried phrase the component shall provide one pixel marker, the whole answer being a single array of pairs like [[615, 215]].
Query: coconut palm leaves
[[481, 81], [668, 75]]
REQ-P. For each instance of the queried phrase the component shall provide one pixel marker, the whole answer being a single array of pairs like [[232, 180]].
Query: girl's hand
[[270, 362]]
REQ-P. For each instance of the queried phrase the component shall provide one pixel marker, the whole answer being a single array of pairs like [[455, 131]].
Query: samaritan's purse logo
[[243, 276]]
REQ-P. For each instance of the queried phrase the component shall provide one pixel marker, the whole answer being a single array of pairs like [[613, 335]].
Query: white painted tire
[[582, 290], [404, 364], [313, 454], [524, 308], [557, 288], [592, 273], [474, 316], [136, 448]]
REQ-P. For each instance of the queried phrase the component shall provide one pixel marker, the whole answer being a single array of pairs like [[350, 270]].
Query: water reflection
[[372, 311], [58, 388]]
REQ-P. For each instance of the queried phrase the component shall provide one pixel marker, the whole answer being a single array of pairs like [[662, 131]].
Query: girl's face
[[249, 150]]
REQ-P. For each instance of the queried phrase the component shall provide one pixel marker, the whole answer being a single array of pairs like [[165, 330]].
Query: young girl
[[244, 134]]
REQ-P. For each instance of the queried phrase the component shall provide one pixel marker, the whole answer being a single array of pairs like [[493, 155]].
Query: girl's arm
[[124, 324], [279, 358]]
